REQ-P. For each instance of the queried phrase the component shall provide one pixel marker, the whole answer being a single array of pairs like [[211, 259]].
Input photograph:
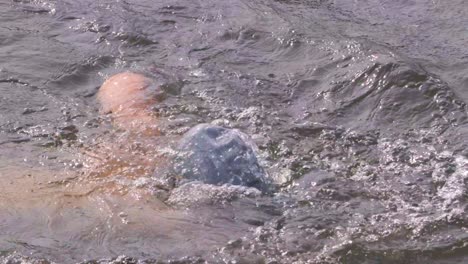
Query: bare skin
[[127, 96]]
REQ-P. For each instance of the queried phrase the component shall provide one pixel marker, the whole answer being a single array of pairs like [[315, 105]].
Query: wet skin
[[126, 97]]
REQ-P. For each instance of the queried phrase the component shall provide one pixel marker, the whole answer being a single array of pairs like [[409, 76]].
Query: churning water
[[358, 109]]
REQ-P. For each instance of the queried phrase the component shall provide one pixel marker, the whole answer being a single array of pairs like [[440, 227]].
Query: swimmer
[[127, 97], [207, 153]]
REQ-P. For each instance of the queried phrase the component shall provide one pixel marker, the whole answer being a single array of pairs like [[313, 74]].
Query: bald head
[[127, 96], [123, 92]]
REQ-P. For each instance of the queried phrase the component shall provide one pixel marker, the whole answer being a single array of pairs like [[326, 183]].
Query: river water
[[358, 109]]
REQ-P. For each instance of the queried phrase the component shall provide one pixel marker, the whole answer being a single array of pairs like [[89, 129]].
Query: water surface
[[358, 109]]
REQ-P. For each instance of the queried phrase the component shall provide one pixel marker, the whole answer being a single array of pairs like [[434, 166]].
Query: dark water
[[358, 109]]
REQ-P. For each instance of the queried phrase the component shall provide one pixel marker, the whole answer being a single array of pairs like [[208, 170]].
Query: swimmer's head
[[124, 91], [127, 97]]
